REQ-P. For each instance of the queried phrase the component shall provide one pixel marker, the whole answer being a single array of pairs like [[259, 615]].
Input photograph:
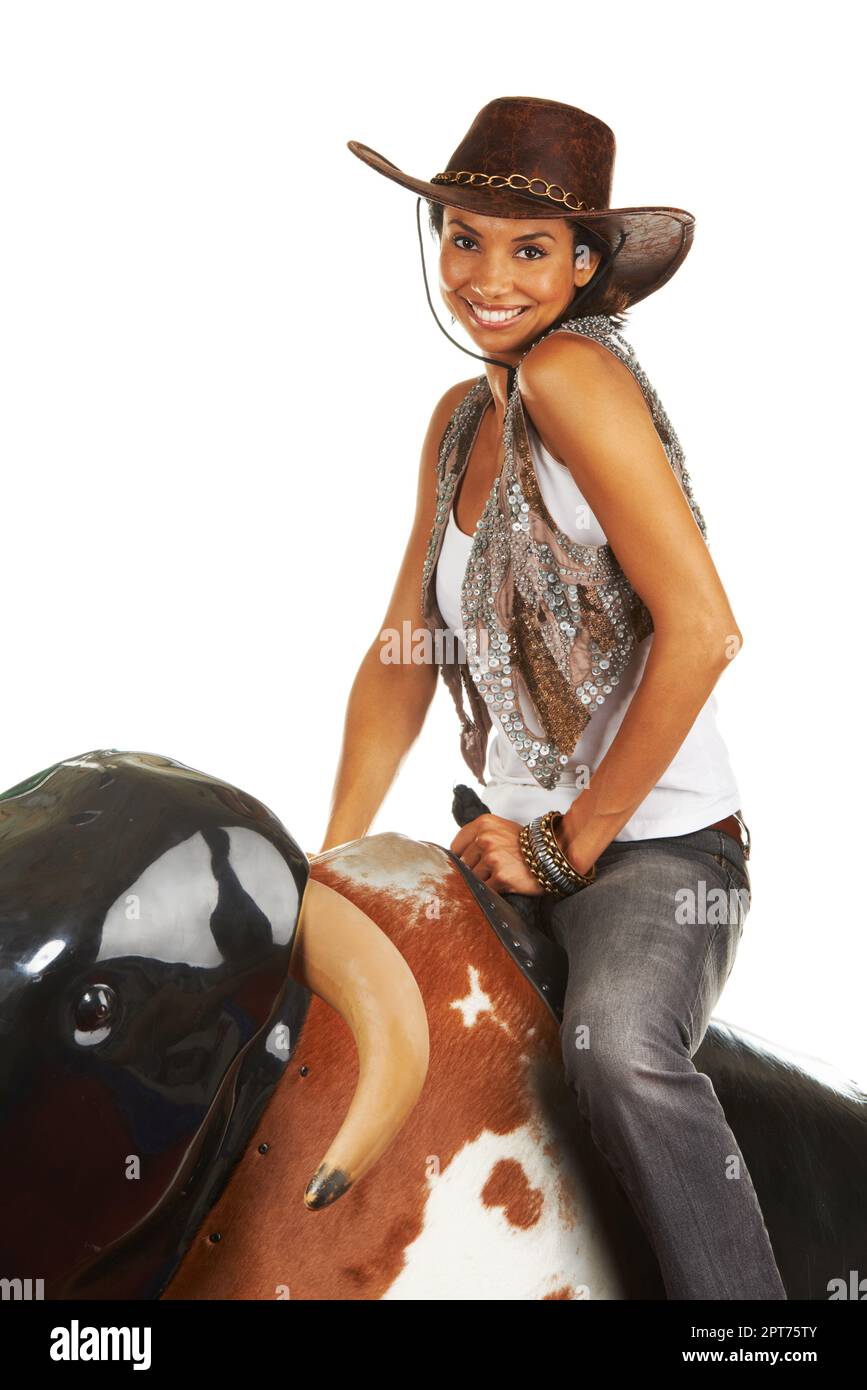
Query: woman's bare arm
[[591, 412], [389, 701]]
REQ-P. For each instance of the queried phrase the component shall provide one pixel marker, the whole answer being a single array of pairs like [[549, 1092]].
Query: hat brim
[[657, 239]]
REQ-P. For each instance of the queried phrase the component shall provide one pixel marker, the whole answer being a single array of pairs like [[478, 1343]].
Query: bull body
[[494, 1188], [167, 1003]]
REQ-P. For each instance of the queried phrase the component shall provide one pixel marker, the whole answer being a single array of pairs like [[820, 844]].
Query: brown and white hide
[[493, 1188]]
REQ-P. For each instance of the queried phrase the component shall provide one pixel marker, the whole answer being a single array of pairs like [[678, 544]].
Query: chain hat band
[[520, 181]]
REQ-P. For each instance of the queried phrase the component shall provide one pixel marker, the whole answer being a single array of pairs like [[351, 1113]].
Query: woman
[[556, 534]]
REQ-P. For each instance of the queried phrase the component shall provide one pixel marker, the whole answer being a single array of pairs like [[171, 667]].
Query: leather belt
[[734, 825]]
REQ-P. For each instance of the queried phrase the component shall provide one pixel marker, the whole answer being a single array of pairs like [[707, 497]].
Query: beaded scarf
[[562, 613]]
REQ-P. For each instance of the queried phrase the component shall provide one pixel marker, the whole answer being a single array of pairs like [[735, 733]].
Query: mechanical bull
[[194, 1017]]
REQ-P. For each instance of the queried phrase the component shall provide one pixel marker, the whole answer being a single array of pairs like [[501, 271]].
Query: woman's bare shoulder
[[440, 417], [451, 399], [570, 359], [446, 407], [570, 383]]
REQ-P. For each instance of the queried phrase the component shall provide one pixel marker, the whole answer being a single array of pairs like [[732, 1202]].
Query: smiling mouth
[[495, 318]]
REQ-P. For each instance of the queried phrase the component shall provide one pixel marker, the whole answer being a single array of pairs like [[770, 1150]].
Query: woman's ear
[[586, 262]]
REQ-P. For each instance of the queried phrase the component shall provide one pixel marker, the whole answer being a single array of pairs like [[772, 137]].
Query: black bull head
[[157, 958], [147, 915]]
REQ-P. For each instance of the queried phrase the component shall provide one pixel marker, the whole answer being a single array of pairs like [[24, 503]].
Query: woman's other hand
[[489, 845]]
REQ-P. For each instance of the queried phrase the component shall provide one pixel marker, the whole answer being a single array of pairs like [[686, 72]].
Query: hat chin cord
[[568, 312]]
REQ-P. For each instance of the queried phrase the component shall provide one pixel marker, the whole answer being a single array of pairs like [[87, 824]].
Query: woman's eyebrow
[[528, 236]]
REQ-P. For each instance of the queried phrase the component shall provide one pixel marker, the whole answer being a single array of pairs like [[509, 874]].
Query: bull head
[[160, 938]]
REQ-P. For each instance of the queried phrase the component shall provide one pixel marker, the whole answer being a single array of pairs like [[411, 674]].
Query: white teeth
[[495, 315]]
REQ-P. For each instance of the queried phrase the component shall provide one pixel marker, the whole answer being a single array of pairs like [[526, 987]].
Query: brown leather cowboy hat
[[526, 152]]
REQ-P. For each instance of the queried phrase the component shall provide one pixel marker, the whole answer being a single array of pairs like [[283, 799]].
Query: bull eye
[[94, 1014]]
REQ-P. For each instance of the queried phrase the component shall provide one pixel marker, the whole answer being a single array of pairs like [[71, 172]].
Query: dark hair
[[607, 298]]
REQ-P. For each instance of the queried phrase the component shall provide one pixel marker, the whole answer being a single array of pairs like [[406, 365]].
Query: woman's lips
[[512, 314]]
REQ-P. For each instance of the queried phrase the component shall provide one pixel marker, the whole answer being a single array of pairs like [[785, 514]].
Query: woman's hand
[[489, 845]]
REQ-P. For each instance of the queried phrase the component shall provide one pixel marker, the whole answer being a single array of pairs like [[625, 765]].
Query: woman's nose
[[491, 283], [490, 291]]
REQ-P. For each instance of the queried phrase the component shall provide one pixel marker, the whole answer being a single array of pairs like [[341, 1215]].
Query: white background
[[218, 365]]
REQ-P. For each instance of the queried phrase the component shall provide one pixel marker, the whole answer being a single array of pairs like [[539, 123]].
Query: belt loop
[[745, 828]]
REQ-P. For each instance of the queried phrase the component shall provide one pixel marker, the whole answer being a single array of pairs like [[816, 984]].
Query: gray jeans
[[645, 973]]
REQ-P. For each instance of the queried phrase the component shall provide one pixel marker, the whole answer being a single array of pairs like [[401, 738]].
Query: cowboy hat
[[522, 153]]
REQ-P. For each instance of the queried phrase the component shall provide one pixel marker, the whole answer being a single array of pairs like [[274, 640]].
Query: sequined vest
[[562, 613]]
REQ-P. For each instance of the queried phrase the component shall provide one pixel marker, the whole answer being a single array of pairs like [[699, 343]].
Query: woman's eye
[[538, 252]]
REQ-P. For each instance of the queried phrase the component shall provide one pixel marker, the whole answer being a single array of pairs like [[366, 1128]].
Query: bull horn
[[347, 961]]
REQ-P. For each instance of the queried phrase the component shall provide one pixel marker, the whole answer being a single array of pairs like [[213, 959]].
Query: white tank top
[[698, 786]]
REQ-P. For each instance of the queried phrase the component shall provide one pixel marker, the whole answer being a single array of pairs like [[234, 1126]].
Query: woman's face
[[507, 279]]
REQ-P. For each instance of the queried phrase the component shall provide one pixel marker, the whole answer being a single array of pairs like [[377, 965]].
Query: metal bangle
[[551, 849], [536, 869], [551, 859], [564, 882], [547, 829]]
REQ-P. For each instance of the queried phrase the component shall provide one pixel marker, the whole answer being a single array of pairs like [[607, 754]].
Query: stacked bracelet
[[545, 859], [530, 860]]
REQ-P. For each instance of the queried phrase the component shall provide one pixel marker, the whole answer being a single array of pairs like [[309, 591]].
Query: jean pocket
[[730, 859], [737, 871], [740, 890]]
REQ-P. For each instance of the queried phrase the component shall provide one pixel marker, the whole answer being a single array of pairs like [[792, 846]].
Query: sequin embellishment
[[561, 613]]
